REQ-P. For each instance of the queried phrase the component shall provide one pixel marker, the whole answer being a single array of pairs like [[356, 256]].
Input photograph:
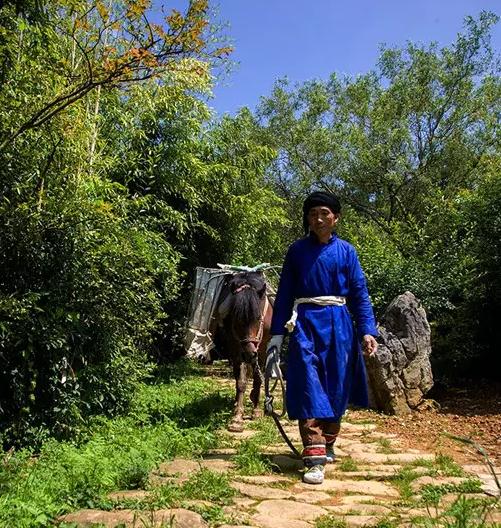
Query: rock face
[[400, 372]]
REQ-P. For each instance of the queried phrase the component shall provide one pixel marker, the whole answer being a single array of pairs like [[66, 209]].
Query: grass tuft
[[385, 446], [347, 464], [329, 521], [249, 459], [448, 467], [403, 480], [431, 494]]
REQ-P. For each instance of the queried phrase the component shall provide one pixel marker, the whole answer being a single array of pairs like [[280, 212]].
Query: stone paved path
[[360, 488]]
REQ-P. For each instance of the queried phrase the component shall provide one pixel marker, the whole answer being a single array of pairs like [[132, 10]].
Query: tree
[[91, 45], [107, 202], [400, 146], [417, 126]]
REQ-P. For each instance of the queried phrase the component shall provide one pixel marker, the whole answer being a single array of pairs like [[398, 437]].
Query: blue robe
[[325, 367]]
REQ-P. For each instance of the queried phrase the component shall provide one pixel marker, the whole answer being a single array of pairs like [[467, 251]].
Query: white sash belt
[[324, 300]]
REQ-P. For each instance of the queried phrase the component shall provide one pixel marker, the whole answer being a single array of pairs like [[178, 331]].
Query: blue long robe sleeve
[[325, 369]]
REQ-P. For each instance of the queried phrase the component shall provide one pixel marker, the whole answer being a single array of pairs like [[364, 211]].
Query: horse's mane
[[246, 303]]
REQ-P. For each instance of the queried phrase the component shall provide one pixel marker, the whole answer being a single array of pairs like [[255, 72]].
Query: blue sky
[[303, 40]]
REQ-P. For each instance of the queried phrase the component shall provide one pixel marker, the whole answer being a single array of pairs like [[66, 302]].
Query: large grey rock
[[400, 372]]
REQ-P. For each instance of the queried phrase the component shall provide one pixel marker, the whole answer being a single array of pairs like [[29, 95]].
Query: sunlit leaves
[[102, 44]]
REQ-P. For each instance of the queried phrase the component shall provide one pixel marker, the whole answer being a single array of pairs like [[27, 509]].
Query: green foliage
[[202, 485], [114, 454], [464, 512], [110, 193], [431, 494], [347, 464], [448, 467], [208, 485], [249, 459], [386, 523], [329, 521], [215, 515], [403, 480], [385, 446], [79, 305], [469, 512]]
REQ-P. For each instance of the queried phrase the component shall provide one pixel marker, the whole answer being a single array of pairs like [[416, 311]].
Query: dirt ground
[[473, 412]]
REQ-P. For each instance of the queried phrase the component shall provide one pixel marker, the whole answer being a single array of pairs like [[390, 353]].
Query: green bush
[[80, 299]]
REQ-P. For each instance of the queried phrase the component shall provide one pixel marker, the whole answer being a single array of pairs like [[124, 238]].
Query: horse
[[245, 314]]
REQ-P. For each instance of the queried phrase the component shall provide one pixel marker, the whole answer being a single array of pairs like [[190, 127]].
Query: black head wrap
[[317, 199]]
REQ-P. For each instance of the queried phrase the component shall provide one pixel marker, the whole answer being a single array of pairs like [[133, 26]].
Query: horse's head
[[248, 292]]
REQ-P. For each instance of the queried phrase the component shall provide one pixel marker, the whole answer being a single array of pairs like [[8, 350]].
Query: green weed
[[387, 523], [347, 464], [441, 464], [208, 485], [463, 513], [214, 515], [448, 467], [385, 446], [329, 521], [204, 485], [249, 459], [268, 432], [431, 494], [403, 480]]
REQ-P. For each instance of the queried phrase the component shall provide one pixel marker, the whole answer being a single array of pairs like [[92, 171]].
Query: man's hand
[[273, 355], [369, 345]]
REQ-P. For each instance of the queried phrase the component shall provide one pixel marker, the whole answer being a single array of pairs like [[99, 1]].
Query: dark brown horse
[[246, 315]]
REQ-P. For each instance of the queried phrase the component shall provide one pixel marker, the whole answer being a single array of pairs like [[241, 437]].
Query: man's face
[[322, 221]]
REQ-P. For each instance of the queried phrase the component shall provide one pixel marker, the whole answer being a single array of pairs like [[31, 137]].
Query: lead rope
[[268, 402]]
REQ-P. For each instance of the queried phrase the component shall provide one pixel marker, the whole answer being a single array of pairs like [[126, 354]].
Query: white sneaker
[[314, 475]]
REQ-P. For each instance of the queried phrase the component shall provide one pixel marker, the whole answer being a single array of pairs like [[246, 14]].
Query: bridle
[[256, 339]]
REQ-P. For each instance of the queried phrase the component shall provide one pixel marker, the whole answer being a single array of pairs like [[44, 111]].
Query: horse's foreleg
[[255, 395], [237, 422]]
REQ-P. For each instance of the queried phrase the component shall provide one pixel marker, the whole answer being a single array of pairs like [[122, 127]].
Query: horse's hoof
[[235, 427]]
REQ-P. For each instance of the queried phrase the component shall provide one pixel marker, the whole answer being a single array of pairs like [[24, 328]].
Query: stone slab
[[264, 521], [242, 435], [426, 480], [362, 521], [358, 499], [481, 469], [244, 502], [360, 447], [354, 427], [287, 463], [185, 467], [360, 509], [236, 526], [287, 511], [177, 518], [225, 451], [312, 497], [260, 492], [394, 458], [365, 474], [263, 479], [364, 487], [128, 495]]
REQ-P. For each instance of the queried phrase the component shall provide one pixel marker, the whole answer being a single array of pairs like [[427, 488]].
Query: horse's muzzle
[[250, 349]]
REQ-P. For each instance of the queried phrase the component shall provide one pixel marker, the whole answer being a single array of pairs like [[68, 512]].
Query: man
[[320, 285]]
